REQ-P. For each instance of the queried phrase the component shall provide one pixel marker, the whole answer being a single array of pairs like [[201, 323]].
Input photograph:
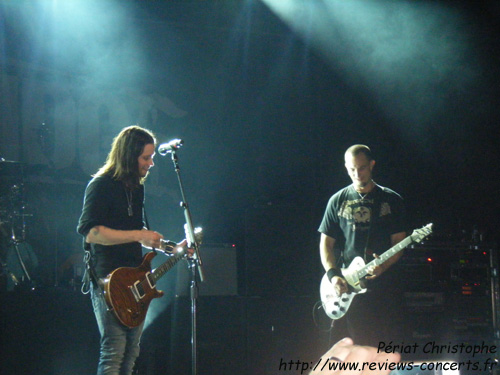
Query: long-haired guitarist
[[112, 222], [361, 220]]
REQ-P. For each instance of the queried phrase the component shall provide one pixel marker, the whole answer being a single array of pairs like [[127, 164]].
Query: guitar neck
[[169, 263], [385, 256]]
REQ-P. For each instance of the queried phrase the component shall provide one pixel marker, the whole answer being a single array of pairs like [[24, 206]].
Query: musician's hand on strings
[[345, 351], [190, 251], [340, 285], [184, 245], [375, 271]]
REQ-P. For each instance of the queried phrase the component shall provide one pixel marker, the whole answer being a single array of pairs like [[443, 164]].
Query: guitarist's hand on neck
[[376, 271], [184, 244]]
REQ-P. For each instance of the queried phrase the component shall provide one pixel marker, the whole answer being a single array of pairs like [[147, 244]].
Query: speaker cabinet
[[451, 294], [220, 272]]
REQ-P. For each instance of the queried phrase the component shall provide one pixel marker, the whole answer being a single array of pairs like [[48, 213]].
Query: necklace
[[362, 196], [129, 201]]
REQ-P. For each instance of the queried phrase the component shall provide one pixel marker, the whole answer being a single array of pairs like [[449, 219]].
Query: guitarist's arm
[[378, 270], [328, 260], [103, 235]]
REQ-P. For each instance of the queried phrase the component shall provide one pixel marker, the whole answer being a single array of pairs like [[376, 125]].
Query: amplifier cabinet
[[219, 270]]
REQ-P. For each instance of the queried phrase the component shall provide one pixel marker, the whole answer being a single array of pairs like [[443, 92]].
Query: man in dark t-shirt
[[362, 220]]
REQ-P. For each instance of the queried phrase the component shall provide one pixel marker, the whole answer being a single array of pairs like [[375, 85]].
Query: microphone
[[173, 145]]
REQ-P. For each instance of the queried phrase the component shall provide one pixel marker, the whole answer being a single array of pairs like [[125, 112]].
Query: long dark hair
[[122, 161]]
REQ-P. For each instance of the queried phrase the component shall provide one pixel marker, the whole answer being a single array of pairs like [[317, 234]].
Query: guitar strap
[[145, 217], [146, 220], [373, 218], [367, 242], [368, 235]]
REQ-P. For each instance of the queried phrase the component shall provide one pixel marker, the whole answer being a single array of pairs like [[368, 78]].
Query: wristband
[[332, 272]]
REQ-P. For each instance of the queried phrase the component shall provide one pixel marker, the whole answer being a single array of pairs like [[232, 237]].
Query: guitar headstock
[[420, 234], [169, 246]]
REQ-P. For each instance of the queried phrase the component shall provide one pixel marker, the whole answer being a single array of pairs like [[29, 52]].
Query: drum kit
[[17, 259]]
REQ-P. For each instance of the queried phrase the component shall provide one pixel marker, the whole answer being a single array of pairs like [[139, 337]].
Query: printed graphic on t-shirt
[[357, 212], [361, 214]]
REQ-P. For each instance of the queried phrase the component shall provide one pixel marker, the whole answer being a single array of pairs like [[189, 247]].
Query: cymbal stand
[[5, 271], [15, 242]]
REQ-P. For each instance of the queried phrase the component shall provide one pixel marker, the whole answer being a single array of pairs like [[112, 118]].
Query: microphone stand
[[195, 262]]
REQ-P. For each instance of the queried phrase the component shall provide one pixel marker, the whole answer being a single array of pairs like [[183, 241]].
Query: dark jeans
[[119, 344]]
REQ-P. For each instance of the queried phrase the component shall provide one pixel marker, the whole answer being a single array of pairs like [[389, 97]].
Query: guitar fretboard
[[172, 260], [385, 256]]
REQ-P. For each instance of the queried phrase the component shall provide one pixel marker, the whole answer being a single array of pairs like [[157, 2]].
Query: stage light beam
[[411, 58]]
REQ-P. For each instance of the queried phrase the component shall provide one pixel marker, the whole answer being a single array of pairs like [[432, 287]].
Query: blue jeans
[[119, 344]]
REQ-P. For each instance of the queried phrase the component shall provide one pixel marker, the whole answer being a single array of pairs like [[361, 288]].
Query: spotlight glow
[[406, 54]]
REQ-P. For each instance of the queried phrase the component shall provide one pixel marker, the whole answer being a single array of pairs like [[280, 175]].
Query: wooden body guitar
[[336, 306], [128, 291]]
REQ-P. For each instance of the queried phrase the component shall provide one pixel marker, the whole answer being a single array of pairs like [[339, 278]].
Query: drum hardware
[[20, 259], [8, 273], [13, 222]]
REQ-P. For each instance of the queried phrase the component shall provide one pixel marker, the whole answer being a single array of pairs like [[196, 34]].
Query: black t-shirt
[[106, 204], [363, 223]]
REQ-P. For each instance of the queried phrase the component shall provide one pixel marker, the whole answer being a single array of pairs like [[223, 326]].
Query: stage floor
[[52, 331]]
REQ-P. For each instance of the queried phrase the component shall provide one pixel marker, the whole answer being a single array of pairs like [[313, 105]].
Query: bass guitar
[[128, 291], [336, 306]]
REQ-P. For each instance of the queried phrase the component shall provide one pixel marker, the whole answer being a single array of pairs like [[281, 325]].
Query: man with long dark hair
[[112, 224]]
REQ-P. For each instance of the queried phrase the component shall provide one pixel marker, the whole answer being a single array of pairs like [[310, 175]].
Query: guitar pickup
[[137, 291], [149, 278]]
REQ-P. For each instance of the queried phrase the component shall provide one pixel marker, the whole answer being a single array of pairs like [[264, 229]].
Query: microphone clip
[[171, 146]]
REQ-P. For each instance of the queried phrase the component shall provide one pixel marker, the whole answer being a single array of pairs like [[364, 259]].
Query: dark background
[[266, 112]]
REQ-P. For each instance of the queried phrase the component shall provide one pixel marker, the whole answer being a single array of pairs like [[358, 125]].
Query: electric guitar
[[128, 291], [336, 306]]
